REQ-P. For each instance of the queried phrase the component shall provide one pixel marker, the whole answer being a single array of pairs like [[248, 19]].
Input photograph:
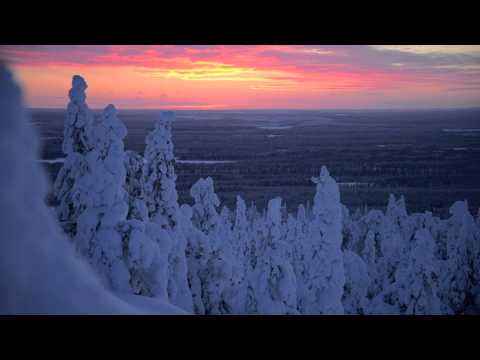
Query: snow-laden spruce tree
[[217, 262], [382, 241], [159, 173], [350, 232], [239, 238], [322, 279], [273, 280], [161, 199], [240, 229], [91, 189], [205, 215], [40, 272], [77, 132], [289, 235], [417, 278], [459, 267], [357, 281], [299, 248], [97, 237], [475, 260], [197, 253], [369, 227], [77, 142], [415, 288], [395, 235], [137, 208]]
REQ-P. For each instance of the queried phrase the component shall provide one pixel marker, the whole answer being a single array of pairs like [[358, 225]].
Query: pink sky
[[251, 77]]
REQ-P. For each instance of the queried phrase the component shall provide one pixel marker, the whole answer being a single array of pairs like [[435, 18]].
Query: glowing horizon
[[251, 77]]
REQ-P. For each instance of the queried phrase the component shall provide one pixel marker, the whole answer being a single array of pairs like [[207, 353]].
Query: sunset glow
[[251, 77]]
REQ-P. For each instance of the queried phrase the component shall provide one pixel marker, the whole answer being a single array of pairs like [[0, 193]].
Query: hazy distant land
[[430, 156]]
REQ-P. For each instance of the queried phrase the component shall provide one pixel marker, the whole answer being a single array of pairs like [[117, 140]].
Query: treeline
[[121, 211]]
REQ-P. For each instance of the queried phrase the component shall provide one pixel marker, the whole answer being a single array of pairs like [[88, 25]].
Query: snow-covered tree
[[369, 226], [459, 274], [415, 289], [241, 229], [159, 173], [273, 280], [41, 274], [197, 255], [93, 184], [97, 237], [239, 244], [137, 208], [393, 237], [145, 249], [78, 140], [350, 232], [417, 278], [322, 277], [356, 284], [218, 261], [205, 215], [161, 199]]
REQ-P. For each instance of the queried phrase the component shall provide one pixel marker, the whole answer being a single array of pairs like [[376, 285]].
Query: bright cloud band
[[253, 77]]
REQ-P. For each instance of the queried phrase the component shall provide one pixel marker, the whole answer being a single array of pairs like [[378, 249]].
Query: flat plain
[[432, 157]]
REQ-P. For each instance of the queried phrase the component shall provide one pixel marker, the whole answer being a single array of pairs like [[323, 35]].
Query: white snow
[[52, 161], [152, 306]]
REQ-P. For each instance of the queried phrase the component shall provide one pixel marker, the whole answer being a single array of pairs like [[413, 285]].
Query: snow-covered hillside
[[122, 243]]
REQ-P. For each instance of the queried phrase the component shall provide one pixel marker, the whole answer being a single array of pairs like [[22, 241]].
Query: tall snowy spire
[[77, 124], [77, 92], [106, 207], [205, 215], [326, 204], [78, 140], [159, 173], [162, 203], [322, 286]]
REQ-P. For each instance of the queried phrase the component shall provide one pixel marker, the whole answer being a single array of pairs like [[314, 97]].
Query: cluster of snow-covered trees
[[121, 211], [411, 264], [40, 272]]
